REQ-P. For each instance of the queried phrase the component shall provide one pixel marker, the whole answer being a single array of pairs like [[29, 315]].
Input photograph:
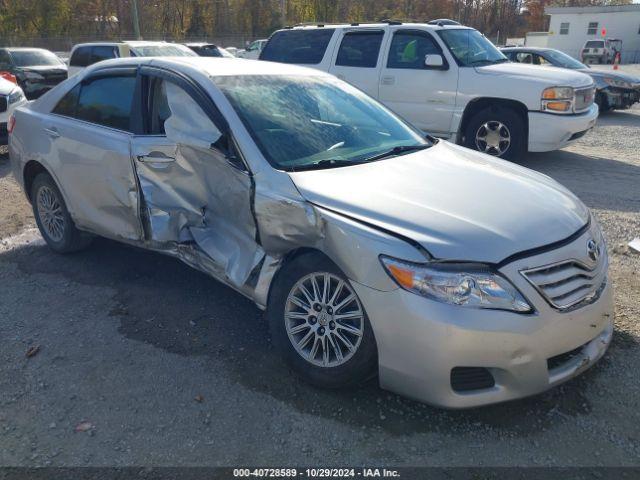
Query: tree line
[[22, 20]]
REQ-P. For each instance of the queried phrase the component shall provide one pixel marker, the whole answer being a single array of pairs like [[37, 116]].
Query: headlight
[[16, 96], [465, 285], [558, 99], [616, 82]]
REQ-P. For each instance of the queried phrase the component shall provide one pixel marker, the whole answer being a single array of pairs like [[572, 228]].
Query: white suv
[[85, 54], [450, 81], [11, 97]]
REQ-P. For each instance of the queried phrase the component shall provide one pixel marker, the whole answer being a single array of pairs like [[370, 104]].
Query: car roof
[[131, 43], [200, 44], [350, 26], [24, 49], [528, 49], [213, 66]]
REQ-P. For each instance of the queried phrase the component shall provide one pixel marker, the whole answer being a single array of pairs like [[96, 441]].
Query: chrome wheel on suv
[[324, 319], [493, 137]]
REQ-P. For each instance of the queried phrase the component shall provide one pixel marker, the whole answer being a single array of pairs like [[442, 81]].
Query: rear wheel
[[496, 131], [53, 219], [319, 325]]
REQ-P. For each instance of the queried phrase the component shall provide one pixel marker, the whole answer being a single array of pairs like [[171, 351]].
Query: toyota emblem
[[593, 250]]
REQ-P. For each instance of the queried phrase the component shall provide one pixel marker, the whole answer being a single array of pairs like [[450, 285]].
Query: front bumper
[[421, 341], [548, 131], [621, 98]]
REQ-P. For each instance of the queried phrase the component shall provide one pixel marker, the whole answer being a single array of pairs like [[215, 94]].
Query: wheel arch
[[31, 170], [482, 103]]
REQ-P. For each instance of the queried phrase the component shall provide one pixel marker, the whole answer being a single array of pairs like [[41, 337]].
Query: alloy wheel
[[324, 319], [50, 213], [493, 137]]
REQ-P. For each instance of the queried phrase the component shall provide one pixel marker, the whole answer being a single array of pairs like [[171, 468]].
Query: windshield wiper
[[323, 164], [396, 151], [488, 62]]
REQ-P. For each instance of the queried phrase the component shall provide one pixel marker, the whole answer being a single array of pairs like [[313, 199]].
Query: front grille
[[570, 284], [466, 379], [584, 98], [3, 103]]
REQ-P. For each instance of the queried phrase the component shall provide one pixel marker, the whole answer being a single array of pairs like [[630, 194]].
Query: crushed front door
[[196, 198]]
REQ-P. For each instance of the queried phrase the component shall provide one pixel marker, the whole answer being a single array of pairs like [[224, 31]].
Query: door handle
[[52, 132], [388, 80], [157, 158]]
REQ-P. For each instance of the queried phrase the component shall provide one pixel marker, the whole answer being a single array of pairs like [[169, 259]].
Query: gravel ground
[[143, 361]]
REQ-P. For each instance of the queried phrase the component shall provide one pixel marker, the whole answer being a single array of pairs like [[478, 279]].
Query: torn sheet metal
[[192, 195]]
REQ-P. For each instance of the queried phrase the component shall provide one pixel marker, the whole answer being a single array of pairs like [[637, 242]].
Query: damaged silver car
[[457, 278]]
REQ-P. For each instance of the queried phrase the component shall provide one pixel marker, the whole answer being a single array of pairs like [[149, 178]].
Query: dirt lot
[[156, 364]]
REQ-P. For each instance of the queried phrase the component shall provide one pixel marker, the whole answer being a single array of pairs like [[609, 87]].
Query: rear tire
[[352, 357], [52, 217], [503, 131]]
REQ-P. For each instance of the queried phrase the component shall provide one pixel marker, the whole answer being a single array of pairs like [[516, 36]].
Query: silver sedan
[[457, 278]]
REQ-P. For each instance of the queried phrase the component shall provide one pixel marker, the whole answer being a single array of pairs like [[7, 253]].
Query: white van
[[450, 81]]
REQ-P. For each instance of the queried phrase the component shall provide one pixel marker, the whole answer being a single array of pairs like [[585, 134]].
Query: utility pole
[[283, 13], [136, 21]]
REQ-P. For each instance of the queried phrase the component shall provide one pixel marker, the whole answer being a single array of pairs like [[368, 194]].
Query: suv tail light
[[11, 124], [9, 76]]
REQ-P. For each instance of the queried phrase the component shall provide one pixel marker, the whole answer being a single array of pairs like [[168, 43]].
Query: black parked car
[[37, 70], [208, 50], [614, 90]]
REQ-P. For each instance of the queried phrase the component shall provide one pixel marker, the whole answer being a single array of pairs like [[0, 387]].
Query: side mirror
[[433, 61]]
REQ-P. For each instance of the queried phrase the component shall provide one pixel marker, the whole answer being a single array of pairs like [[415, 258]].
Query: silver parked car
[[458, 278]]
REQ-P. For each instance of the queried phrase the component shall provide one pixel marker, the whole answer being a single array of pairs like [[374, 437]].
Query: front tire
[[319, 325], [496, 131], [52, 217]]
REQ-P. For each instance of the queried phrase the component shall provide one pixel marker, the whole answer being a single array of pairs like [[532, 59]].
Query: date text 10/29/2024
[[315, 473]]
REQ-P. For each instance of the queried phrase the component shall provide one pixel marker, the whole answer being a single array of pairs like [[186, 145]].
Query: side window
[[524, 57], [80, 57], [540, 60], [306, 47], [107, 101], [68, 104], [360, 49], [174, 113], [409, 48], [101, 53]]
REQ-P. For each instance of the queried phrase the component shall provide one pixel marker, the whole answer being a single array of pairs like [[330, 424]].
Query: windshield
[[595, 44], [162, 51], [32, 58], [309, 122], [471, 48], [564, 60]]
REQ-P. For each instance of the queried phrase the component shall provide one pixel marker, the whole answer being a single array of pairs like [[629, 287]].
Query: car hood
[[599, 74], [551, 76], [457, 203], [44, 69]]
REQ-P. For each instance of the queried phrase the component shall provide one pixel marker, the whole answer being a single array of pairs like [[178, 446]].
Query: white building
[[571, 27]]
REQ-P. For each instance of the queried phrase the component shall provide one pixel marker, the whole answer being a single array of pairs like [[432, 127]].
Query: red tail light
[[11, 124], [9, 76]]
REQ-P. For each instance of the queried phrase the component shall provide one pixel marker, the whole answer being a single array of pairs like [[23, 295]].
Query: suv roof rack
[[391, 21], [441, 22]]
